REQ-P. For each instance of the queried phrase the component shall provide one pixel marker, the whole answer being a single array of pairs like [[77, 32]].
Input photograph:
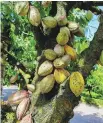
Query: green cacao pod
[[21, 8], [59, 63], [22, 108], [47, 83], [66, 59], [45, 68], [63, 36], [17, 97], [34, 16], [50, 54], [59, 50], [30, 87], [49, 22], [101, 57], [89, 15], [73, 27]]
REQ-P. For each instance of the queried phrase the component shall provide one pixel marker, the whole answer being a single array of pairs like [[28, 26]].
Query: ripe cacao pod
[[70, 51], [73, 26], [59, 50], [49, 22], [59, 63], [22, 108], [63, 36], [50, 54], [27, 119], [47, 83], [66, 59], [45, 68], [30, 87], [34, 16], [17, 97], [60, 75], [22, 8], [76, 83], [62, 22]]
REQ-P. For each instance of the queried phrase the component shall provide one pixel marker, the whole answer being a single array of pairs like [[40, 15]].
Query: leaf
[[76, 83]]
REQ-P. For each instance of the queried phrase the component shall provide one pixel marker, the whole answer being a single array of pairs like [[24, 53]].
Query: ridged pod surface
[[27, 119], [70, 51], [47, 83], [45, 68], [76, 83], [17, 97], [22, 108], [49, 22], [60, 75], [59, 50], [21, 8], [14, 78], [34, 16], [59, 63], [63, 36], [50, 54]]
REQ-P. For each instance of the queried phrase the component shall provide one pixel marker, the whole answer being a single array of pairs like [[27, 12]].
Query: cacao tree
[[37, 48]]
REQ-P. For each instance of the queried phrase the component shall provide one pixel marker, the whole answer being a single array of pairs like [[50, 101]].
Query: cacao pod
[[47, 83], [30, 87], [17, 97], [62, 22], [63, 36], [80, 32], [27, 119], [49, 22], [13, 78], [50, 54], [73, 27], [76, 83], [46, 4], [101, 57], [34, 16], [59, 63], [22, 108], [89, 15], [60, 75], [45, 68], [22, 8], [66, 59], [70, 51], [59, 50]]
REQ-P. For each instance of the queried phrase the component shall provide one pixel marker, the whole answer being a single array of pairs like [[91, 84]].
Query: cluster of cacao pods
[[52, 69]]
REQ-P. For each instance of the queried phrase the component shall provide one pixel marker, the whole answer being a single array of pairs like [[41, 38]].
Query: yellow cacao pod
[[62, 22], [14, 78], [59, 50], [47, 83], [70, 51], [59, 63], [34, 16], [21, 8], [60, 75], [45, 68], [73, 26], [63, 36], [76, 83], [50, 54], [49, 22]]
